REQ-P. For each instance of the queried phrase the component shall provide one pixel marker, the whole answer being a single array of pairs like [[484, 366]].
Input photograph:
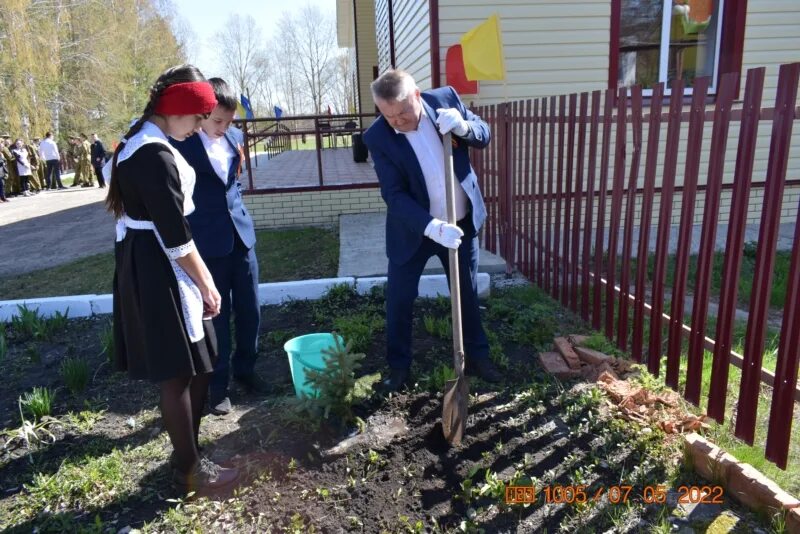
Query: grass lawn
[[294, 254], [780, 276]]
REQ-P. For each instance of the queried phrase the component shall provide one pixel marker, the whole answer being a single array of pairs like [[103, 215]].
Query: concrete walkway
[[53, 228], [362, 248]]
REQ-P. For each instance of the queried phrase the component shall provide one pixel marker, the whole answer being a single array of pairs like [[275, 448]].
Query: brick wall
[[311, 208]]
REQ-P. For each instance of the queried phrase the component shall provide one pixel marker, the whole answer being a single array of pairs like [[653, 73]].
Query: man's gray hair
[[394, 84]]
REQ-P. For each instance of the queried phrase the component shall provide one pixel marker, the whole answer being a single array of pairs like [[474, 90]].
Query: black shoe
[[395, 381], [220, 405], [253, 383], [484, 369]]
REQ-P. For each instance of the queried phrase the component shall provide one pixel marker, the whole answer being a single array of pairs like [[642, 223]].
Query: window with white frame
[[664, 40]]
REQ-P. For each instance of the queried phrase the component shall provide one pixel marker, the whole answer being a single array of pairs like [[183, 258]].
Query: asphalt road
[[53, 228]]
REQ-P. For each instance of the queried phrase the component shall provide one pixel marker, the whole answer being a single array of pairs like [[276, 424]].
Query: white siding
[[412, 36], [772, 37], [550, 47]]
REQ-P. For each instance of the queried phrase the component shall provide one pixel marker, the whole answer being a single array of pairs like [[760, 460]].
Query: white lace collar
[[150, 133]]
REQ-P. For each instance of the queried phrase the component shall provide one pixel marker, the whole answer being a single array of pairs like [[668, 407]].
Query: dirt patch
[[531, 430]]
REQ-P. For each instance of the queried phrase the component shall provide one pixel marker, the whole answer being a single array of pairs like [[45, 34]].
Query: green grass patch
[[297, 254], [780, 274], [294, 254]]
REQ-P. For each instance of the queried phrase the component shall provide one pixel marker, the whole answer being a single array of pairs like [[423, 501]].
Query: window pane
[[640, 42], [693, 39]]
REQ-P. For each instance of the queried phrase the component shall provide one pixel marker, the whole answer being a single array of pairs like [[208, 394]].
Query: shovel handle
[[455, 286]]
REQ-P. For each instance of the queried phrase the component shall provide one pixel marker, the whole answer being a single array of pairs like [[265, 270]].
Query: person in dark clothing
[[3, 175], [164, 295], [226, 238], [98, 159]]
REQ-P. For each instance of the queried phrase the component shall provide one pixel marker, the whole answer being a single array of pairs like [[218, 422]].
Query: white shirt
[[48, 149], [220, 154], [428, 148]]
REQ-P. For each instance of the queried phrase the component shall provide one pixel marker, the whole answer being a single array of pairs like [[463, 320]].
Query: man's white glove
[[447, 235], [450, 120]]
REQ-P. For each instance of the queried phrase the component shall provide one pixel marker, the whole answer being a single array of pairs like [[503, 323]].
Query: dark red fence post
[[599, 271], [549, 259], [780, 143], [532, 114], [664, 226], [616, 206], [565, 254], [557, 252], [540, 121], [708, 235], [742, 177], [630, 208], [576, 225], [507, 188], [781, 413], [646, 220], [694, 145], [491, 183], [512, 183], [587, 225]]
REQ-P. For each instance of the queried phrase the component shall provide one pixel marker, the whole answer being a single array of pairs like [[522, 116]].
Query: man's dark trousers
[[403, 287], [233, 273], [52, 174]]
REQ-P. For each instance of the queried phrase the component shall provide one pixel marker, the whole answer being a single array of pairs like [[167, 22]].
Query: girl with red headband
[[164, 295]]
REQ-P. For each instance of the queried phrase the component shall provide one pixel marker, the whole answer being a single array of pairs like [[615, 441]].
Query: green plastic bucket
[[305, 352]]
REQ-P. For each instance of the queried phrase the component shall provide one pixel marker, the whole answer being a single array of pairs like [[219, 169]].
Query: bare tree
[[343, 90], [311, 36], [244, 58]]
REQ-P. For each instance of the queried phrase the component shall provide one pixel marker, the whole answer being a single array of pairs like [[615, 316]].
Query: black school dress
[[150, 331]]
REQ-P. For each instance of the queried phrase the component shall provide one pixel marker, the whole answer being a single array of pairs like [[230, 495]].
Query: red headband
[[187, 98]]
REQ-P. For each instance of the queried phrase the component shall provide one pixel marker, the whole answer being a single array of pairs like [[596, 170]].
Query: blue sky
[[204, 17]]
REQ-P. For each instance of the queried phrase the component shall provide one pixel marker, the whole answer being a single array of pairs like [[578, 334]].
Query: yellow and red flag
[[482, 47]]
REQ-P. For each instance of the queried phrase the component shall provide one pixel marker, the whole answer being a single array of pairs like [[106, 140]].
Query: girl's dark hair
[[178, 74], [224, 93]]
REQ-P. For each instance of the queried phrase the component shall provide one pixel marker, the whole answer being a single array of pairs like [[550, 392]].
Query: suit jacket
[[98, 153], [403, 184], [219, 213]]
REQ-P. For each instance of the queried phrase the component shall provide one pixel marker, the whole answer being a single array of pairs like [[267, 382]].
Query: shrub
[[358, 329], [437, 378], [107, 341], [439, 327], [38, 403], [28, 324], [335, 384], [339, 299], [56, 324], [75, 373]]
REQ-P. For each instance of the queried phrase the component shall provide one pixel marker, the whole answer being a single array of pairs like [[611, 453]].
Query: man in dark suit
[[406, 147], [225, 236], [98, 159]]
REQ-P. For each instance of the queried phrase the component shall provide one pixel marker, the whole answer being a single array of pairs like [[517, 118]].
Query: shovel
[[456, 392]]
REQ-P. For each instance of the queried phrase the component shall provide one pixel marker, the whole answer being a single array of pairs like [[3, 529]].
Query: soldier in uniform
[[74, 156], [41, 162], [86, 161], [12, 183], [36, 164]]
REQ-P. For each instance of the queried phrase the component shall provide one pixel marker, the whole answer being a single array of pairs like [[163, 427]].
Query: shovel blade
[[454, 411]]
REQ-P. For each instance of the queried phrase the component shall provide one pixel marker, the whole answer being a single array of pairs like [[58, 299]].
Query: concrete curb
[[272, 293], [741, 480]]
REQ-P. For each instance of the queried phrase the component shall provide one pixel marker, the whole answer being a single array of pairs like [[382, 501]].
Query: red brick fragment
[[554, 364], [565, 348]]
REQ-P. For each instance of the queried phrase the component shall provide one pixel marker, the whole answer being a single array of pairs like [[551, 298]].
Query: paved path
[[53, 228]]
